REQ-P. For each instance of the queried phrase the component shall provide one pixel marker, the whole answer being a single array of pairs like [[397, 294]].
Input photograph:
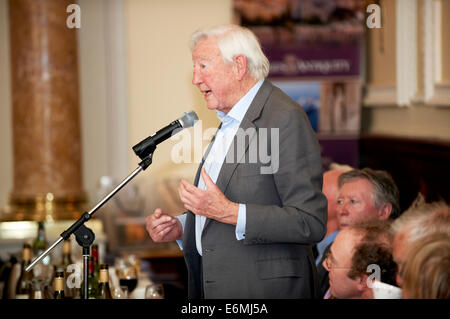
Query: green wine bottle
[[23, 287], [103, 287], [94, 254], [66, 261], [67, 253], [40, 244], [92, 282]]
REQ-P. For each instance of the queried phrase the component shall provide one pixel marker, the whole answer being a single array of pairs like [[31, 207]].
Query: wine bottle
[[40, 244], [92, 282], [23, 287], [94, 254], [66, 261], [58, 285], [67, 253], [103, 287]]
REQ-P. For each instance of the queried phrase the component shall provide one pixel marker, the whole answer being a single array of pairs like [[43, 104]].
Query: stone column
[[46, 117]]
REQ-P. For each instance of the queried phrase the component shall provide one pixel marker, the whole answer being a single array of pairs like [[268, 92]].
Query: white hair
[[422, 219], [233, 40]]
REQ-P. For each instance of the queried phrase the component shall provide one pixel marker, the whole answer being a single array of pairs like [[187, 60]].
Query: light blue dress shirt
[[216, 156], [324, 244]]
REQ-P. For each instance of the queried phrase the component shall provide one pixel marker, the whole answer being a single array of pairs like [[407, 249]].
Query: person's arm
[[182, 219]]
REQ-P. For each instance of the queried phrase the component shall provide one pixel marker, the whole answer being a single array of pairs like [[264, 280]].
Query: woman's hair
[[426, 273], [422, 219], [233, 40]]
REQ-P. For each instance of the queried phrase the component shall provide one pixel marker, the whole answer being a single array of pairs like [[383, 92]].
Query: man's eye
[[353, 201], [339, 201]]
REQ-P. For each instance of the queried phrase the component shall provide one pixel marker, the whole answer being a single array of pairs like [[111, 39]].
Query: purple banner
[[317, 61]]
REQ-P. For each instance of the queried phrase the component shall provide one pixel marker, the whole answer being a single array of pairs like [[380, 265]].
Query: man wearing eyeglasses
[[354, 249]]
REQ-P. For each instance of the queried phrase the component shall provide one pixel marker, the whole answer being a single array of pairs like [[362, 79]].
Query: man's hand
[[210, 202], [162, 227]]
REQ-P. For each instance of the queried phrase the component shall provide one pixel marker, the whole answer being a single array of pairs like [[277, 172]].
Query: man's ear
[[240, 62], [362, 282], [385, 211]]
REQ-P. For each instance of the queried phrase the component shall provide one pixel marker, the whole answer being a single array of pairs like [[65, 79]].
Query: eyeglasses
[[330, 262]]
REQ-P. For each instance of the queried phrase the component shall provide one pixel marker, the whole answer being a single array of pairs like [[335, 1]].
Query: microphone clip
[[145, 148], [146, 162]]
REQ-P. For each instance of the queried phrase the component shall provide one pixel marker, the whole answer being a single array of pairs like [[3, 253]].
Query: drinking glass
[[120, 292], [154, 291], [128, 277]]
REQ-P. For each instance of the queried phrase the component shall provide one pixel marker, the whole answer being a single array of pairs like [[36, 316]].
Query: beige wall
[[416, 119], [91, 52], [160, 69], [381, 49], [6, 173], [445, 20]]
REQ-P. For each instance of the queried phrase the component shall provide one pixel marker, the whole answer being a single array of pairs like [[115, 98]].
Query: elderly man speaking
[[247, 232]]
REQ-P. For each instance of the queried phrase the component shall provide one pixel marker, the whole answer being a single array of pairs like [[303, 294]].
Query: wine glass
[[128, 277], [154, 291], [120, 292]]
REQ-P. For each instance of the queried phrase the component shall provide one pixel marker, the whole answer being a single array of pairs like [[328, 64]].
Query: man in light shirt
[[250, 222]]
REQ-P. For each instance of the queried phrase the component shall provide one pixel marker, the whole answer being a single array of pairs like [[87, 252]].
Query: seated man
[[363, 194], [354, 249], [419, 221], [330, 190], [366, 194]]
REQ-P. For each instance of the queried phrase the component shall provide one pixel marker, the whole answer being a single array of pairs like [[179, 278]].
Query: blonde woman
[[426, 273]]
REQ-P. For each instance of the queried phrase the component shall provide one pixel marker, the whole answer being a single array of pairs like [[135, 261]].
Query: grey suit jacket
[[286, 211]]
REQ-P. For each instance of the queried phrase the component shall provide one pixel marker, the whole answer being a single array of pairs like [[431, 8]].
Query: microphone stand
[[84, 235]]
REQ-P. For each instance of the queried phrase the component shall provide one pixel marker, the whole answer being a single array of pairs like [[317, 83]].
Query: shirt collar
[[238, 111], [326, 242]]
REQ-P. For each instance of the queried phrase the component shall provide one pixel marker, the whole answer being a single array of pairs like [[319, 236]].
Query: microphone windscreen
[[188, 119]]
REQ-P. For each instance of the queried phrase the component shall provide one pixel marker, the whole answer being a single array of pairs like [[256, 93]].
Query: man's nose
[[196, 78], [341, 210]]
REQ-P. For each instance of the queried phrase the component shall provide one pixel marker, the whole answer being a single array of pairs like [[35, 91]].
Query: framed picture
[[307, 94]]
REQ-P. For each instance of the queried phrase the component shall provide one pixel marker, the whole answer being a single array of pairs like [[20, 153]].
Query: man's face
[[399, 246], [338, 265], [356, 202], [216, 80]]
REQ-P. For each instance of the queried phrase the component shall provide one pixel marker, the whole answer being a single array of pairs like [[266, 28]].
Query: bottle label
[[26, 254], [104, 275], [22, 296], [59, 284]]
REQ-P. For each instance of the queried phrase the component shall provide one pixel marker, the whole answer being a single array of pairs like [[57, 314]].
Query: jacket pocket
[[279, 268]]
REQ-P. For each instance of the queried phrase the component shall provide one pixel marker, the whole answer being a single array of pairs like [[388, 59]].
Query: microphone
[[148, 146]]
